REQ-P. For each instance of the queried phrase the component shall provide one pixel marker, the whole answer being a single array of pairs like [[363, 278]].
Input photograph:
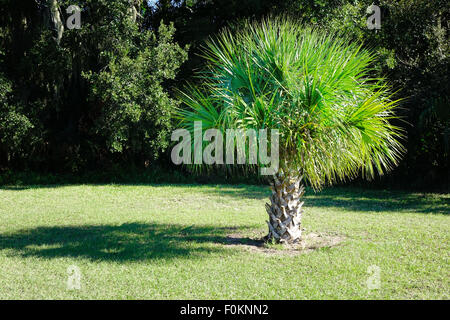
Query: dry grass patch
[[309, 242]]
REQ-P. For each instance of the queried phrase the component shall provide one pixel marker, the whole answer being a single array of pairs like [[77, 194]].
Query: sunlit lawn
[[170, 242]]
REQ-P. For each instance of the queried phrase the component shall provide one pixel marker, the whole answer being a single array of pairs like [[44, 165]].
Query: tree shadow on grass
[[380, 201], [126, 242], [353, 199], [29, 187], [345, 198]]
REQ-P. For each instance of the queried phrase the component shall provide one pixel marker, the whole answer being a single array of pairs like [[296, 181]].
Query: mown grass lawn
[[169, 242]]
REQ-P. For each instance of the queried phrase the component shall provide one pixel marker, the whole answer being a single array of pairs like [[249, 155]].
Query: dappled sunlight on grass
[[126, 242], [173, 241]]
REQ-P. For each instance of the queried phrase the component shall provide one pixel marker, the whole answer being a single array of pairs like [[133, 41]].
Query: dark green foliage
[[14, 125], [136, 110], [195, 20], [97, 95], [413, 52], [65, 106]]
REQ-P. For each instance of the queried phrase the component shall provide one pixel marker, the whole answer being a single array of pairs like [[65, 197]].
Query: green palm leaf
[[314, 87]]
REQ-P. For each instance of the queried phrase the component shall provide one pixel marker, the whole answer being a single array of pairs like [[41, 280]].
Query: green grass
[[169, 242]]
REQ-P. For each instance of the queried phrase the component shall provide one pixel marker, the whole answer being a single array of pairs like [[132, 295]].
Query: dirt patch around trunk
[[309, 242]]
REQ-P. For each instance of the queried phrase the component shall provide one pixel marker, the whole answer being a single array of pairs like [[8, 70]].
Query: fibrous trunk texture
[[285, 210]]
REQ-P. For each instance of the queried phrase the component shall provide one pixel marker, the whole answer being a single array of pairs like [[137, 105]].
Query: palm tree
[[316, 88]]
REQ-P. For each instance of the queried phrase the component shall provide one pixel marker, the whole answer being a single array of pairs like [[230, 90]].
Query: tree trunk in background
[[56, 22], [285, 210], [134, 9]]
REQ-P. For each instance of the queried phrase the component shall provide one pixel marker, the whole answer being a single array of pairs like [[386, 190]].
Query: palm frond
[[316, 88]]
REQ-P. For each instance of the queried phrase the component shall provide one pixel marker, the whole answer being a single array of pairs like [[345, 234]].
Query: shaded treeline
[[102, 96]]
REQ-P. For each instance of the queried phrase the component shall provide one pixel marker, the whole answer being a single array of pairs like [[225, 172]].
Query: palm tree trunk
[[285, 210]]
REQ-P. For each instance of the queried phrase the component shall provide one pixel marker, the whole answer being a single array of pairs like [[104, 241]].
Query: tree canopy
[[317, 88]]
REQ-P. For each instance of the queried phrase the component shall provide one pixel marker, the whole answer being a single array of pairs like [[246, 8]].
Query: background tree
[[52, 120], [84, 98], [413, 52], [317, 89]]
